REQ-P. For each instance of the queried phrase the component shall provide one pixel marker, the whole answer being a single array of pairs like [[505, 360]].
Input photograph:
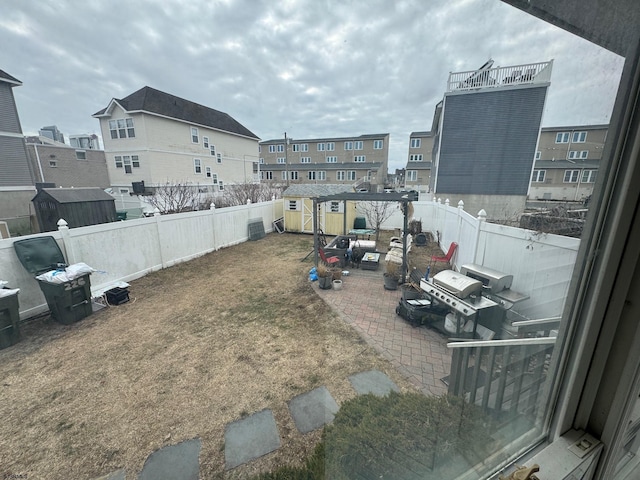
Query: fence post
[[212, 210], [482, 217], [63, 228], [156, 217], [459, 233]]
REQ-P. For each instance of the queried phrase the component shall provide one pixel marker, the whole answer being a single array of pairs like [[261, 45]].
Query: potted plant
[[391, 276], [325, 276]]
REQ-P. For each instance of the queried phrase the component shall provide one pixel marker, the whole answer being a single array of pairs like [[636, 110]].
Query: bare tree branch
[[376, 213]]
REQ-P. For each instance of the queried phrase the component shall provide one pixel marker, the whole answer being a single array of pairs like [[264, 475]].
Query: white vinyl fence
[[541, 264], [124, 251]]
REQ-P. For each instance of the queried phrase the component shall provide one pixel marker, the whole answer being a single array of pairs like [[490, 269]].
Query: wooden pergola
[[403, 198]]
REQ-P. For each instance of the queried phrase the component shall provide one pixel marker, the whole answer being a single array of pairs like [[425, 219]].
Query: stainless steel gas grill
[[477, 298]]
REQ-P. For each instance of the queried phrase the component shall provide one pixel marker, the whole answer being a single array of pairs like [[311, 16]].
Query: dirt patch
[[199, 345]]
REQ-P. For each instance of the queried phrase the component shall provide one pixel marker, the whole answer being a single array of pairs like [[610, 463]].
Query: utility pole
[[286, 158]]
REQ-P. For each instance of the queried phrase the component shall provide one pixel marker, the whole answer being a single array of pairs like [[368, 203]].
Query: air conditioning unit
[[138, 187]]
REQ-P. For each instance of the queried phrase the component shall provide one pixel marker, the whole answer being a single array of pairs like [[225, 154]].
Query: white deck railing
[[530, 73]]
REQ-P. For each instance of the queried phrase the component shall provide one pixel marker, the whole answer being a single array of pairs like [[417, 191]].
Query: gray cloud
[[310, 68]]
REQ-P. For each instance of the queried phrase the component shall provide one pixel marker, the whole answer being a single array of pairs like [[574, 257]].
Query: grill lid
[[457, 284]]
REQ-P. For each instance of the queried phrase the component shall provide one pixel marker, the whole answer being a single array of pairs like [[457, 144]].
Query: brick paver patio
[[419, 353]]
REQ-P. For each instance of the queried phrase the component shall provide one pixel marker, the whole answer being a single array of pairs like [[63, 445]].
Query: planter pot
[[336, 274], [337, 284], [325, 282], [390, 283]]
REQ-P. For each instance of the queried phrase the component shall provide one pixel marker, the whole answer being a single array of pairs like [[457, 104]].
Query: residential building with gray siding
[[360, 161], [16, 177], [487, 135]]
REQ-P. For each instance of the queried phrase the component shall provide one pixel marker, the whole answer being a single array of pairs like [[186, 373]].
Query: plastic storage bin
[[68, 302], [9, 320]]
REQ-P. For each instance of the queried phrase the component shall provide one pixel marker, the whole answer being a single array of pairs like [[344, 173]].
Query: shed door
[[307, 215]]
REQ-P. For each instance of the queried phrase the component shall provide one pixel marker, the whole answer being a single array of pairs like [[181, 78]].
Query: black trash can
[[68, 301], [9, 319]]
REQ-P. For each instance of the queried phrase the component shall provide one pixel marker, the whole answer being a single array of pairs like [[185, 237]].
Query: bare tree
[[174, 197], [239, 193], [376, 213]]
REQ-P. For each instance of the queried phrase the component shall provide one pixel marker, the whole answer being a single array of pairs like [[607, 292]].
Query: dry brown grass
[[201, 344]]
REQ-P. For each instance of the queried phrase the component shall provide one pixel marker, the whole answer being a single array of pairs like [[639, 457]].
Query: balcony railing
[[501, 376], [531, 73]]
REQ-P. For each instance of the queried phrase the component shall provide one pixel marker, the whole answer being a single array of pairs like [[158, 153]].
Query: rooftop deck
[[500, 77]]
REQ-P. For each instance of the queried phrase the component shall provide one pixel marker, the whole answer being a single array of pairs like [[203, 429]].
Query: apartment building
[[566, 162], [485, 137], [419, 158], [361, 161], [157, 138]]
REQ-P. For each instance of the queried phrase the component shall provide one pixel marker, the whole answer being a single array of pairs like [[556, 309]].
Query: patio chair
[[329, 261], [447, 258]]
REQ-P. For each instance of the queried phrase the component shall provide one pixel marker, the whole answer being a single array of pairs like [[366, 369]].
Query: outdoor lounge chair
[[447, 257], [329, 261]]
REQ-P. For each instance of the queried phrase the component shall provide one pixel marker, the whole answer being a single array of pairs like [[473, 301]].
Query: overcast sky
[[315, 68]]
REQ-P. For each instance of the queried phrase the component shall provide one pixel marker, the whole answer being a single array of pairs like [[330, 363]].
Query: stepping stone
[[175, 462], [117, 475], [313, 409], [373, 381], [250, 438]]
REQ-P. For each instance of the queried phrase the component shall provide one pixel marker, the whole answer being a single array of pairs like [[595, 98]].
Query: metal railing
[[501, 376], [530, 73]]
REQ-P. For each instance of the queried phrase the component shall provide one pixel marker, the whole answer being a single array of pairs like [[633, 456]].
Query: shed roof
[[150, 100], [75, 195], [309, 190]]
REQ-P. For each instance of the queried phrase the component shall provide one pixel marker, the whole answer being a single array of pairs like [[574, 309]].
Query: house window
[[340, 175], [218, 158], [194, 135], [412, 175], [122, 128], [272, 149], [126, 159], [351, 175], [282, 160], [332, 159], [416, 142], [197, 165], [53, 163], [331, 146], [336, 207], [283, 175], [348, 145], [322, 175], [294, 175], [538, 176], [123, 190], [311, 175], [212, 150], [575, 154], [378, 144], [320, 147], [220, 185], [562, 137], [214, 178], [205, 142], [81, 155], [135, 161], [415, 157], [571, 176], [118, 161], [589, 176], [358, 145], [292, 205], [305, 159], [207, 172], [579, 137], [360, 158], [267, 175], [280, 148], [300, 147], [538, 155], [261, 161]]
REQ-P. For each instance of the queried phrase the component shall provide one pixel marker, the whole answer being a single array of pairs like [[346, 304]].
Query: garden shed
[[79, 207], [298, 209]]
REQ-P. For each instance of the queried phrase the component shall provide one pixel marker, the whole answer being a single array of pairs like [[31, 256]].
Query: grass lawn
[[199, 345]]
